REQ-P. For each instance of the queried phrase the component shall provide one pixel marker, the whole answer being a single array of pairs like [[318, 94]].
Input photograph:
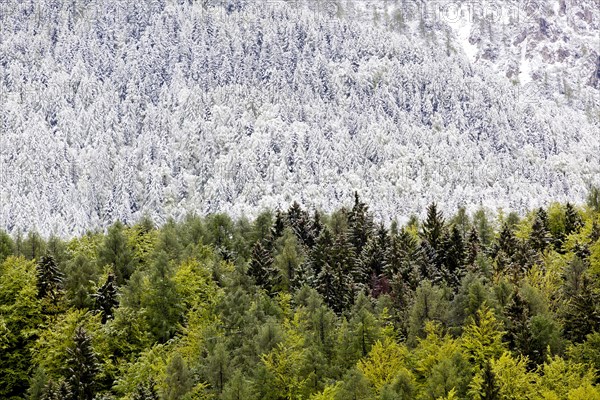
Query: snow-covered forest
[[113, 110]]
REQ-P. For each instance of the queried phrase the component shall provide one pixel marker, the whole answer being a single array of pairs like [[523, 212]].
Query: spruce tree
[[372, 259], [432, 229], [581, 311], [262, 268], [540, 236], [321, 253], [82, 366], [49, 278], [504, 249], [453, 257], [106, 298], [573, 222], [473, 248], [278, 225], [360, 224]]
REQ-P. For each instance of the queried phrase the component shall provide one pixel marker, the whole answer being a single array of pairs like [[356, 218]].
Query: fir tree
[[49, 279], [106, 298], [82, 366]]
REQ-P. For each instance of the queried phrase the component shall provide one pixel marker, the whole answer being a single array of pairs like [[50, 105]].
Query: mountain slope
[[115, 110]]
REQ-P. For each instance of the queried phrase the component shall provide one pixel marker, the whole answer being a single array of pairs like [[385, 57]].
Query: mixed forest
[[299, 304]]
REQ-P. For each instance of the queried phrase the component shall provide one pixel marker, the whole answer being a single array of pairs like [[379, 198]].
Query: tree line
[[299, 304]]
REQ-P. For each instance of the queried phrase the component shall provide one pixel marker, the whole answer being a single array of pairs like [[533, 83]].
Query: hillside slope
[[112, 110]]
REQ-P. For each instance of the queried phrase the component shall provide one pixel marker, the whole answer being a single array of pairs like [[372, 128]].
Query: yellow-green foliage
[[384, 362]]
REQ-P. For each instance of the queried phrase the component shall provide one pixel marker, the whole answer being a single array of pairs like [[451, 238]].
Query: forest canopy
[[299, 304]]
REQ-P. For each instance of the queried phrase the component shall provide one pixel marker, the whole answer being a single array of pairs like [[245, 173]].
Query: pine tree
[[299, 221], [593, 199], [49, 279], [106, 298], [163, 303], [595, 233], [484, 228], [82, 366]]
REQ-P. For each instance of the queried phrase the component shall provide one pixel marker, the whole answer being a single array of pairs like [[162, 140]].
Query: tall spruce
[[262, 268], [432, 229], [360, 224], [49, 278], [82, 366], [573, 221], [106, 298], [540, 236]]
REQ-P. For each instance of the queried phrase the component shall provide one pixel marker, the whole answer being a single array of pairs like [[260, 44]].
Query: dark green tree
[[262, 268], [106, 298], [49, 279], [581, 310], [453, 255], [473, 248], [373, 257], [432, 229], [360, 224], [573, 221], [81, 366], [540, 236]]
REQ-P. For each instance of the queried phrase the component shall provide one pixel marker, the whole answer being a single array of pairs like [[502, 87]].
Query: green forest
[[299, 304]]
